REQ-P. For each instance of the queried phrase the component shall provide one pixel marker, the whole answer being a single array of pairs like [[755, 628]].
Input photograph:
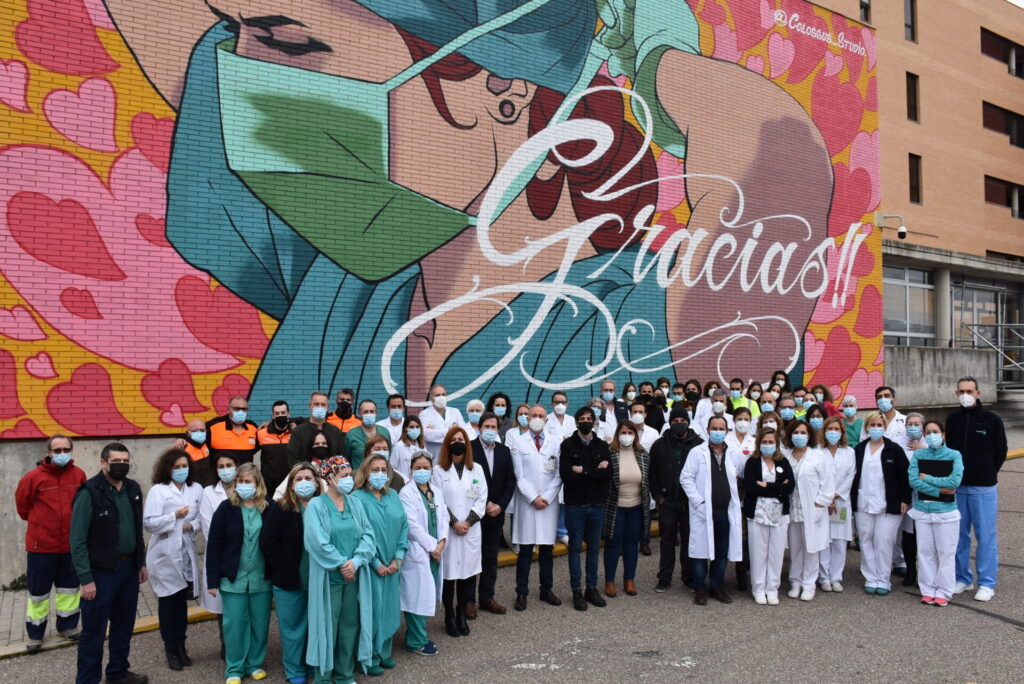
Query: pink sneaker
[[928, 600], [941, 602]]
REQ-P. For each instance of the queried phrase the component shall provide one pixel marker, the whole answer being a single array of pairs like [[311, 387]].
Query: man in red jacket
[[44, 497]]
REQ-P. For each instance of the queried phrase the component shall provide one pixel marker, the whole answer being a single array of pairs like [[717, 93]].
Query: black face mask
[[280, 422], [693, 396], [585, 428], [344, 409], [118, 471], [679, 430], [659, 400], [457, 448], [321, 453]]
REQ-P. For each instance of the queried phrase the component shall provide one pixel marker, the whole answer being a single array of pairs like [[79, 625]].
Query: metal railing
[[1007, 340]]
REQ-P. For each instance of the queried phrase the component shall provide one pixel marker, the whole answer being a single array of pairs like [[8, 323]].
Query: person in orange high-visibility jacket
[[233, 434], [198, 453], [273, 440]]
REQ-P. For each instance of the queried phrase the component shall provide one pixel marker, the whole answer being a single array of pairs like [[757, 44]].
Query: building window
[[910, 20], [1005, 50], [865, 11], [1005, 194], [912, 97], [914, 164], [909, 306], [1000, 120]]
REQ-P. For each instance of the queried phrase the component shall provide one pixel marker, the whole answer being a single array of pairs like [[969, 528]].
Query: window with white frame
[[909, 306]]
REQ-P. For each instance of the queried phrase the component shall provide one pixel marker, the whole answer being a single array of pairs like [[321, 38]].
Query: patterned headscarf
[[332, 466]]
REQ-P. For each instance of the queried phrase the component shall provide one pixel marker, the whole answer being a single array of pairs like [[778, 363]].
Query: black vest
[[104, 529]]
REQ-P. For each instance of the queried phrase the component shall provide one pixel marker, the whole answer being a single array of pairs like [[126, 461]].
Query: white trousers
[[877, 533], [803, 566], [936, 557], [767, 546], [832, 561]]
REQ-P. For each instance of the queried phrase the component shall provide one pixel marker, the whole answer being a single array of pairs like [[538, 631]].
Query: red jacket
[[44, 499]]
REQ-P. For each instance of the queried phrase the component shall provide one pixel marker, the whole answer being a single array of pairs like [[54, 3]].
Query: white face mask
[[631, 395], [718, 406], [440, 401], [968, 400], [626, 439], [537, 424], [559, 409], [770, 424], [742, 426], [755, 395], [637, 418]]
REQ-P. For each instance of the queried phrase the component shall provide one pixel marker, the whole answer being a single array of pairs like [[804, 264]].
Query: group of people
[[351, 522]]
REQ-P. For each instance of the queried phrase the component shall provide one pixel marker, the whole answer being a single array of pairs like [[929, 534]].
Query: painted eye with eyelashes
[[291, 48]]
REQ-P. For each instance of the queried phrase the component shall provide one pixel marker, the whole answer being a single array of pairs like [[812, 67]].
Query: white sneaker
[[807, 595], [773, 599], [984, 594], [960, 587], [826, 586], [837, 587], [760, 599], [794, 591]]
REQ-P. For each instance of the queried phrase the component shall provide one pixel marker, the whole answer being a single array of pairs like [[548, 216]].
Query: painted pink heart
[[867, 37], [18, 323], [766, 13], [86, 117], [23, 429], [846, 31], [209, 313], [78, 52], [865, 153], [41, 366], [837, 109], [713, 13], [10, 404], [833, 63], [862, 385], [153, 229], [98, 15], [173, 417], [233, 385], [809, 51], [880, 359], [750, 30], [829, 308], [840, 359], [80, 303], [756, 64], [153, 137], [672, 189], [869, 316], [85, 404], [780, 55], [851, 198], [171, 385], [813, 351], [14, 85], [725, 44]]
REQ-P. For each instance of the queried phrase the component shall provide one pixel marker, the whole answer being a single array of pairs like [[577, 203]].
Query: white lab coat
[[816, 488], [419, 591], [401, 457], [700, 426], [471, 431], [844, 467], [536, 475], [701, 413], [210, 499], [395, 430], [164, 554], [462, 554], [560, 431], [744, 446], [695, 479], [648, 436], [435, 427]]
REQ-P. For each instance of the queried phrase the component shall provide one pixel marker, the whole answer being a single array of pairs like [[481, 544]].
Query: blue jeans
[[625, 542], [700, 565], [584, 525], [116, 602], [561, 530], [978, 507]]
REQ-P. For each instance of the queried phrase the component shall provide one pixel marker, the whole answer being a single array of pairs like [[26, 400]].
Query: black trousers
[[908, 542], [674, 526], [173, 613], [461, 591], [490, 530]]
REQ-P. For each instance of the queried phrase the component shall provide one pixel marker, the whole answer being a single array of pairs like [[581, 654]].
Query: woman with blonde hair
[[379, 446], [237, 572], [387, 518]]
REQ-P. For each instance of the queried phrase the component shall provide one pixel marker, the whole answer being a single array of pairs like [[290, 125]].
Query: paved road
[[849, 637]]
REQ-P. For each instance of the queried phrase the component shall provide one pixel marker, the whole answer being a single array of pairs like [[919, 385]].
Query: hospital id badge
[[550, 465], [839, 516]]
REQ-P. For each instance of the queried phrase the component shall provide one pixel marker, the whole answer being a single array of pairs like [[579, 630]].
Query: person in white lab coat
[[832, 558], [768, 482], [395, 422], [172, 506], [463, 487], [410, 441], [709, 481], [808, 507], [715, 408], [438, 418], [225, 467], [638, 416], [740, 441], [535, 459], [474, 411], [421, 570], [702, 409], [560, 424]]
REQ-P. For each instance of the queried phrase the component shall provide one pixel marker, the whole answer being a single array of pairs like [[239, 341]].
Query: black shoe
[[450, 625], [173, 659], [461, 622], [549, 598], [520, 603], [183, 655], [223, 656], [578, 602], [130, 677], [594, 598], [645, 549], [899, 572], [910, 580], [661, 588], [504, 543], [700, 597], [742, 583]]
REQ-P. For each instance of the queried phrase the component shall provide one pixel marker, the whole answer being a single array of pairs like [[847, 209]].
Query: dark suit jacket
[[501, 484]]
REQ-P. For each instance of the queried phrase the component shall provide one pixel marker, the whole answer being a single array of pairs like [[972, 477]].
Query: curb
[[1016, 453]]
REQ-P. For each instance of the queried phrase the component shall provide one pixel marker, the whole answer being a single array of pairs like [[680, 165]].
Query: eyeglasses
[[60, 450]]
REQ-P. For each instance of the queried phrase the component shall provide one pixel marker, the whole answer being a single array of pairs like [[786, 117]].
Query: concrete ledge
[[1016, 453]]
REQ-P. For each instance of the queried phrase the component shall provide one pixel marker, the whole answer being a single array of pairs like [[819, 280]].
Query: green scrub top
[[344, 536], [431, 523], [251, 577]]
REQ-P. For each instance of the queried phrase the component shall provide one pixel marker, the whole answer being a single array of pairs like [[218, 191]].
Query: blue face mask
[[500, 411], [414, 433], [717, 436], [735, 394], [849, 411], [369, 419], [787, 413], [677, 397], [226, 475], [421, 476], [198, 436], [245, 491], [608, 396], [489, 436], [239, 417], [61, 460], [474, 416], [305, 488], [345, 484], [318, 412], [915, 431], [396, 414], [767, 408], [768, 450], [876, 433], [884, 404], [378, 480], [179, 475], [524, 420], [833, 437], [933, 439], [817, 423], [799, 440], [799, 401]]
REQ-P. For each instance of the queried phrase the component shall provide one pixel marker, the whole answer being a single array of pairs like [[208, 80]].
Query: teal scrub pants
[[415, 631], [246, 623], [291, 608], [345, 616]]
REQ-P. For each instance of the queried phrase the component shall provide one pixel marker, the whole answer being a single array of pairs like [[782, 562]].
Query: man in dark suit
[[501, 485]]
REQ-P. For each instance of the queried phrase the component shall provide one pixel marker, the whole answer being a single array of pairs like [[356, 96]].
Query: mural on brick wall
[[204, 199]]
